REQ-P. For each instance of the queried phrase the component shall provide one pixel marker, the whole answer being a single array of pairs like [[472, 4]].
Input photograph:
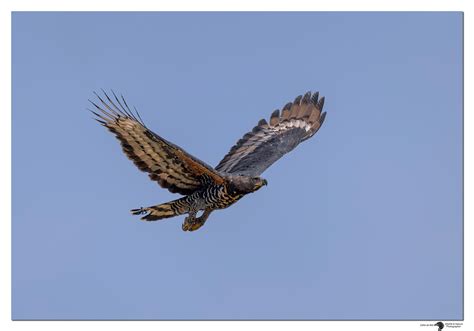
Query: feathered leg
[[192, 223]]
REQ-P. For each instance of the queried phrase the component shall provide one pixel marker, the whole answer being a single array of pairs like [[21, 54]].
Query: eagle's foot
[[192, 223]]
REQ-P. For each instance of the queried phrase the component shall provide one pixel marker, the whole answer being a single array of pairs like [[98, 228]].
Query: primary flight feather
[[206, 188]]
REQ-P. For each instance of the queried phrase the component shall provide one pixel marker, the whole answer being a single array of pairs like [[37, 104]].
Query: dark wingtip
[[276, 113], [97, 115], [93, 103], [287, 106], [321, 103], [298, 99], [314, 98], [306, 98], [262, 122], [321, 119]]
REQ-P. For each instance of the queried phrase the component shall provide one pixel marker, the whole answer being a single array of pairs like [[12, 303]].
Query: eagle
[[203, 187]]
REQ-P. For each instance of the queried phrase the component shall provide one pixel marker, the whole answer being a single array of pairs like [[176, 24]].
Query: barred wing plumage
[[268, 142], [168, 164]]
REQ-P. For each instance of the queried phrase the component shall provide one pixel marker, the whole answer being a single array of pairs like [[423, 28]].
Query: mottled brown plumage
[[205, 188]]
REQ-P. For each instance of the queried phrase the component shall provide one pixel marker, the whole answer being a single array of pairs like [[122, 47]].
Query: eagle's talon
[[192, 223]]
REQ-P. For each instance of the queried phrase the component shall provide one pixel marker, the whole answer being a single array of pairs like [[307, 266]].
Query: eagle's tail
[[165, 210]]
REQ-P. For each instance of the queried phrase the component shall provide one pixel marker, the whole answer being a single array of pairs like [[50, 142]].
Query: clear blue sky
[[364, 221]]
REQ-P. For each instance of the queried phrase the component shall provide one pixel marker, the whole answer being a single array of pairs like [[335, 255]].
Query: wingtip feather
[[321, 103], [322, 118], [262, 122], [306, 98], [275, 117]]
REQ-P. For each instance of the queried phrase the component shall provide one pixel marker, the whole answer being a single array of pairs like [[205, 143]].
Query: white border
[[215, 5]]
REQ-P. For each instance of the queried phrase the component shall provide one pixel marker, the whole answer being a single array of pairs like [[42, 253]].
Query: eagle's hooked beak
[[262, 183]]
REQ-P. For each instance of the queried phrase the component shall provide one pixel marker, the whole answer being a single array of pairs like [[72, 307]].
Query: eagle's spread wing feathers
[[169, 165], [267, 142]]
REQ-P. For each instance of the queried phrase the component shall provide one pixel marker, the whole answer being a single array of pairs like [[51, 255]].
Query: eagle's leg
[[192, 223]]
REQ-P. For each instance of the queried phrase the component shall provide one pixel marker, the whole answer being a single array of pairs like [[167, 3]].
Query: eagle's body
[[206, 188], [211, 198]]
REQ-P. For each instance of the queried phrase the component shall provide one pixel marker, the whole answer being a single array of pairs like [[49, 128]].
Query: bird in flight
[[206, 188]]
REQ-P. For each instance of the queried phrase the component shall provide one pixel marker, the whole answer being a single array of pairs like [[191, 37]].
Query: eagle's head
[[258, 183], [245, 184]]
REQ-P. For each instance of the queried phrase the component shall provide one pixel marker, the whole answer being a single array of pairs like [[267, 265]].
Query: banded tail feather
[[164, 210]]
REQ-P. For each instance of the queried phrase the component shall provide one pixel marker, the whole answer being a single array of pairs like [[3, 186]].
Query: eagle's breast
[[220, 196]]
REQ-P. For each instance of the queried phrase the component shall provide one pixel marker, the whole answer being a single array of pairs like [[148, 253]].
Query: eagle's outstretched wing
[[267, 142], [165, 162]]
